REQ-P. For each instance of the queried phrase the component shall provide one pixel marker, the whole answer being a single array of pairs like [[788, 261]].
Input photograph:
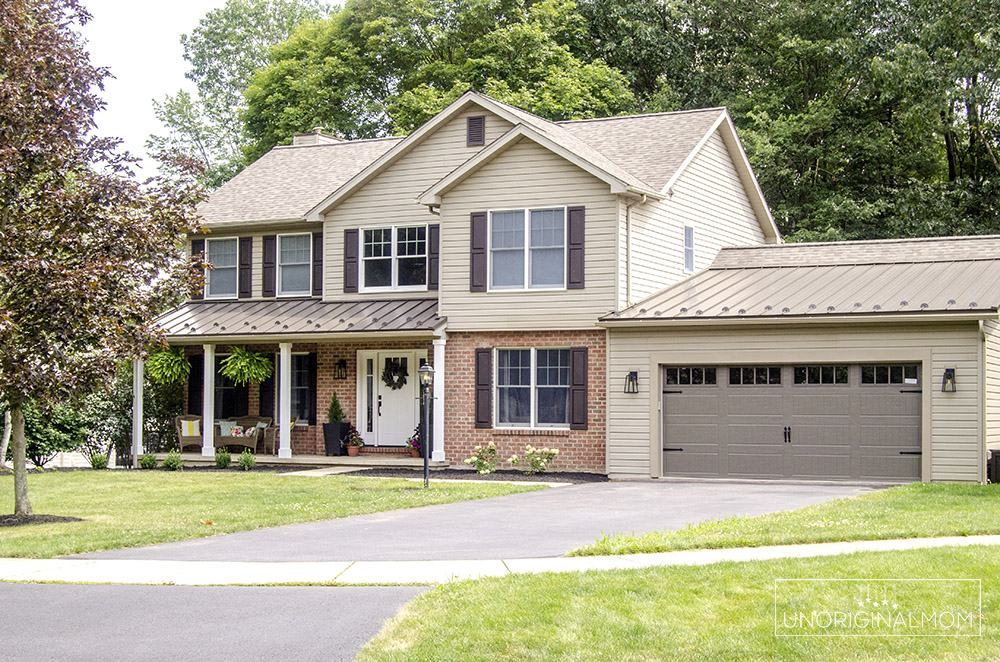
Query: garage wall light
[[948, 383], [632, 382]]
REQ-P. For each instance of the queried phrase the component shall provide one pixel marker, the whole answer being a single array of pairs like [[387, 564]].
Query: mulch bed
[[20, 520], [503, 474], [272, 468]]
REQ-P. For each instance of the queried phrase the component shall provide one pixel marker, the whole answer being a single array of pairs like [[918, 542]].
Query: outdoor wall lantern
[[948, 383], [632, 382], [340, 369]]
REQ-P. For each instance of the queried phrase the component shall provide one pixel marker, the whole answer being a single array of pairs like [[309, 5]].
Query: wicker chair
[[184, 441]]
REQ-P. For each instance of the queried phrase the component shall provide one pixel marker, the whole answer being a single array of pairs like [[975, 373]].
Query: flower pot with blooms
[[413, 443], [353, 441]]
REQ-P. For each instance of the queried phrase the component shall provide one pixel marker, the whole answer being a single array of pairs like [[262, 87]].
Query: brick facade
[[579, 450]]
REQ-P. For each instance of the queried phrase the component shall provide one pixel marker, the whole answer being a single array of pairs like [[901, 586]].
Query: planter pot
[[333, 437], [353, 450], [415, 453]]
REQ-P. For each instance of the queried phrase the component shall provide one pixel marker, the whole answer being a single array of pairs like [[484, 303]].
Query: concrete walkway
[[221, 573]]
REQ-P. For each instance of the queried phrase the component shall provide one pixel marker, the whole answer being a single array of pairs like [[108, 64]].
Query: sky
[[139, 41]]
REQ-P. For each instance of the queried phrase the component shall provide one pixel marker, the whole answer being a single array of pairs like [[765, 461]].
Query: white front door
[[389, 392]]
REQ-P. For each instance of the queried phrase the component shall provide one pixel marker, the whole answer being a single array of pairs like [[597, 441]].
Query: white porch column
[[137, 370], [437, 454], [284, 399], [208, 403]]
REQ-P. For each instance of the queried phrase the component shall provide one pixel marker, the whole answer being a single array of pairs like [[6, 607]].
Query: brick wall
[[579, 450]]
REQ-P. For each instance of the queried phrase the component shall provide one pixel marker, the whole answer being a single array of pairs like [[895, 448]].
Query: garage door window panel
[[689, 376], [821, 375], [875, 374], [755, 375]]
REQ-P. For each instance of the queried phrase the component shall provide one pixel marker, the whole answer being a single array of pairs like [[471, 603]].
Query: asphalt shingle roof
[[919, 276]]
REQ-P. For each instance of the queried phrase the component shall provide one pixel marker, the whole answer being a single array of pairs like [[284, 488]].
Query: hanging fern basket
[[246, 365], [168, 366]]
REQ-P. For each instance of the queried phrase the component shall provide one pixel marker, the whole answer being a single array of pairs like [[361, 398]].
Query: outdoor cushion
[[190, 428], [226, 428], [262, 425], [237, 431]]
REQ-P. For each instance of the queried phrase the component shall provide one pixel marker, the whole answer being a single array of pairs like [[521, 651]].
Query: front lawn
[[908, 511], [136, 508], [718, 612]]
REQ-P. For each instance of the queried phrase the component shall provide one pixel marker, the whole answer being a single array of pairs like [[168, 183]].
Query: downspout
[[628, 248], [983, 423]]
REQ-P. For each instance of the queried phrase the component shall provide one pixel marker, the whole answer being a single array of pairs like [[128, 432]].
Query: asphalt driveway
[[529, 525]]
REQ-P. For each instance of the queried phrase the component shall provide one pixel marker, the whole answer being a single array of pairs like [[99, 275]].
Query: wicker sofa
[[262, 437]]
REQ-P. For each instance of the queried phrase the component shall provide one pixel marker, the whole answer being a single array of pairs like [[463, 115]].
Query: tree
[[383, 66], [229, 45], [88, 256]]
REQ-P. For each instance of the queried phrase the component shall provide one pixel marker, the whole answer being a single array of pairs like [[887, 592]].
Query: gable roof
[[289, 180], [949, 277]]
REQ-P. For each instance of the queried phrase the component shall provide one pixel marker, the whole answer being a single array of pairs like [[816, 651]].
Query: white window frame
[[534, 424], [526, 287], [279, 265], [689, 250], [235, 268], [394, 270]]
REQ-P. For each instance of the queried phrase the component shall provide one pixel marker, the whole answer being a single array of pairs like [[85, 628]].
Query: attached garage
[[856, 361]]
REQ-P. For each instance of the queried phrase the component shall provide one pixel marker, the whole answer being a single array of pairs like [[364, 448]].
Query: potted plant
[[353, 441], [246, 365], [335, 430], [413, 443]]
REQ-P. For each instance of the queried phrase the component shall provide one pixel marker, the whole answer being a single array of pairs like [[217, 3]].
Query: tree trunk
[[5, 441], [22, 506]]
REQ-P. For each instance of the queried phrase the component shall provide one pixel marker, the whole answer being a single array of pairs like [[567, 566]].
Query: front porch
[[359, 462]]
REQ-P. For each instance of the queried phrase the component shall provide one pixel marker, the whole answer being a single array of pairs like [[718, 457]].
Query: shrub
[[49, 430], [535, 460], [173, 461], [147, 461], [336, 413], [222, 458], [98, 462], [484, 459], [246, 460]]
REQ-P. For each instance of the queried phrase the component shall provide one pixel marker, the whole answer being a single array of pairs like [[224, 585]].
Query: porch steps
[[359, 462]]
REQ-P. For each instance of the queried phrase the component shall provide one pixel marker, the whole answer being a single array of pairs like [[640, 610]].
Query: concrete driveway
[[535, 524]]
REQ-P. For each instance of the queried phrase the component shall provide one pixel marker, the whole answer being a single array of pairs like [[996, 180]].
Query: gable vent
[[475, 130]]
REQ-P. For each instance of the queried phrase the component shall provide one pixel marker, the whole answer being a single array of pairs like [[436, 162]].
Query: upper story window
[[295, 264], [532, 257], [394, 258], [222, 253], [688, 248]]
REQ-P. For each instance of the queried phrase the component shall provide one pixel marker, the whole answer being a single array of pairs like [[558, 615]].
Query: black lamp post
[[426, 374]]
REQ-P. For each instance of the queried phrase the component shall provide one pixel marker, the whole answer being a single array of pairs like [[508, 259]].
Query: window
[[688, 248], [222, 276], [532, 387], [689, 376], [226, 393], [394, 257], [890, 374], [295, 264], [820, 374], [301, 399], [755, 375], [535, 255]]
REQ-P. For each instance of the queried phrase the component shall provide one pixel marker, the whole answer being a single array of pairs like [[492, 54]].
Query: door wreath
[[394, 375]]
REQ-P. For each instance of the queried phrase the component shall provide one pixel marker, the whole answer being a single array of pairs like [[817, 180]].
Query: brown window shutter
[[477, 253], [475, 131], [578, 388], [574, 275], [267, 394], [198, 249], [351, 260], [317, 264], [484, 387], [246, 267], [433, 255], [268, 271], [196, 384], [312, 388]]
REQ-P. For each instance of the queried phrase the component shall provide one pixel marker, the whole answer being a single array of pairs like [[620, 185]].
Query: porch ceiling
[[204, 320]]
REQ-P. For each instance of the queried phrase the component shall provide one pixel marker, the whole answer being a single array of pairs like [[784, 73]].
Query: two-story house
[[488, 243], [526, 260]]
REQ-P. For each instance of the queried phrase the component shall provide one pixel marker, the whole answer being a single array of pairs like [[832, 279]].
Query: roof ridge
[[343, 142], [856, 263], [855, 242], [638, 115]]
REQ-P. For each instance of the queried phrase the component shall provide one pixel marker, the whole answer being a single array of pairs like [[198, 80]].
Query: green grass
[[908, 511], [135, 508], [718, 612]]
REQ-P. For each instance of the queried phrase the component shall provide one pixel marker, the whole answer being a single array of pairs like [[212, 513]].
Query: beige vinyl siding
[[991, 329], [527, 175], [390, 197], [951, 432], [709, 197]]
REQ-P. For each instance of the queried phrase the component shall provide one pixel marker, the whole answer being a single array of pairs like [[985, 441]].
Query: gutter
[[869, 318]]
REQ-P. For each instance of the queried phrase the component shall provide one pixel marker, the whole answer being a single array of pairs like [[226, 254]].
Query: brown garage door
[[841, 422]]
